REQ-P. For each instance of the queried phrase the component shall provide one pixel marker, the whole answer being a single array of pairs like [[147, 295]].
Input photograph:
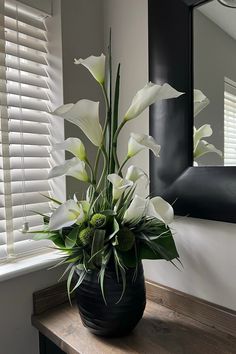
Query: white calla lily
[[119, 185], [73, 145], [66, 215], [136, 209], [204, 131], [135, 173], [160, 209], [138, 142], [204, 147], [96, 66], [200, 101], [84, 114], [147, 96], [73, 167]]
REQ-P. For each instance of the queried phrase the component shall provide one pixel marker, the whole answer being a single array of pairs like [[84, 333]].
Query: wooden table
[[161, 331]]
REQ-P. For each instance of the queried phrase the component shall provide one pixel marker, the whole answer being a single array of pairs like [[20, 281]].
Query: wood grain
[[50, 297], [161, 331], [203, 311]]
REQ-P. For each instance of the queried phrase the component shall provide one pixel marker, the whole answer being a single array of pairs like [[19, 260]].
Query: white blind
[[230, 123], [24, 126]]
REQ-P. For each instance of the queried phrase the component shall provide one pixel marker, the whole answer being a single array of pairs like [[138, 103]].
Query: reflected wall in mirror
[[214, 41]]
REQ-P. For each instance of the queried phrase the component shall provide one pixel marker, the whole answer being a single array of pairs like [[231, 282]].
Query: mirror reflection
[[214, 85]]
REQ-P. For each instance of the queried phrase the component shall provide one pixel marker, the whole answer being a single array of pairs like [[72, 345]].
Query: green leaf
[[97, 246], [105, 261], [44, 236], [161, 248], [71, 238], [108, 212], [114, 124], [52, 199], [116, 228], [129, 258], [80, 280], [69, 280], [122, 272]]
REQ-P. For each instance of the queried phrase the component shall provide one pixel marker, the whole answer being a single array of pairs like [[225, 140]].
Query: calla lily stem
[[123, 164]]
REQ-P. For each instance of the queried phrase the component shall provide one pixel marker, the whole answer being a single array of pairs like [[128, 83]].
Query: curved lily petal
[[73, 167], [147, 96], [200, 102], [66, 215], [135, 173], [204, 147], [160, 209], [96, 66], [119, 185], [203, 132], [73, 145], [138, 142], [136, 209], [84, 114]]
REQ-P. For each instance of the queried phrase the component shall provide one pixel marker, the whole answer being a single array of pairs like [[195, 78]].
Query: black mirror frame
[[202, 192]]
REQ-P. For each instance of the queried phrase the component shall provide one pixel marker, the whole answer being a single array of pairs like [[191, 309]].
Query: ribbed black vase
[[112, 319]]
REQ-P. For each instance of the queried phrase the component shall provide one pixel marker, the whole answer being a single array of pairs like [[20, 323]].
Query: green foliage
[[125, 239]]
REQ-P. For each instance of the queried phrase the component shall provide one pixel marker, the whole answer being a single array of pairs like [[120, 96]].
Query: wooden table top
[[161, 331]]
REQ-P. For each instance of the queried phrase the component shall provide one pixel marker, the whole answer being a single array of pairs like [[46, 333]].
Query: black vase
[[112, 319]]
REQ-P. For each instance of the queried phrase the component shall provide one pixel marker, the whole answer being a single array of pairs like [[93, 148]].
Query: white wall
[[207, 248], [82, 35], [17, 336]]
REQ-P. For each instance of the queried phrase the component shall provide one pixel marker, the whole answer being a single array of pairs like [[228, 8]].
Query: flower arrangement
[[112, 225], [201, 147]]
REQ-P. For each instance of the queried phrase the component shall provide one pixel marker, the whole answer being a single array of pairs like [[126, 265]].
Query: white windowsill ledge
[[18, 267]]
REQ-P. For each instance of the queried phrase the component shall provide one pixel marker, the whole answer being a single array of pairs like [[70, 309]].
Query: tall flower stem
[[91, 171], [104, 129], [123, 164], [105, 166], [114, 145]]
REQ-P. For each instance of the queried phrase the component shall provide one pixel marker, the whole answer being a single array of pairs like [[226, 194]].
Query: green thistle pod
[[85, 236], [98, 220], [125, 239]]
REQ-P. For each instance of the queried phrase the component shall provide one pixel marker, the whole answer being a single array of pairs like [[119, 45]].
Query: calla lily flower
[[73, 167], [138, 142], [136, 209], [66, 215], [96, 66], [160, 209], [204, 131], [147, 96], [200, 102], [204, 147], [84, 114], [135, 173], [119, 185], [73, 145]]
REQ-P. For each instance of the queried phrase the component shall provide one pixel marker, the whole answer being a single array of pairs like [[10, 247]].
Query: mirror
[[214, 67]]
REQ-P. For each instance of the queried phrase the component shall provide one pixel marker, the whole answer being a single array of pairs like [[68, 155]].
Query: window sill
[[18, 267]]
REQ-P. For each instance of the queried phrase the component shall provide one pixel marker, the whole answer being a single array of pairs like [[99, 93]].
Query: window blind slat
[[29, 151], [23, 28], [24, 126], [30, 186], [23, 18], [26, 139], [23, 77], [230, 124], [29, 163], [28, 127]]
